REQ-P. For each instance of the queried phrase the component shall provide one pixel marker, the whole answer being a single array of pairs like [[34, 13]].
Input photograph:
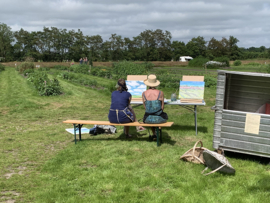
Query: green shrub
[[82, 68], [237, 63], [27, 71], [111, 87], [198, 62], [253, 64], [162, 72], [59, 67], [95, 71], [124, 68], [2, 67], [26, 65], [169, 81], [44, 69], [223, 60], [268, 68], [210, 81], [44, 85], [77, 79]]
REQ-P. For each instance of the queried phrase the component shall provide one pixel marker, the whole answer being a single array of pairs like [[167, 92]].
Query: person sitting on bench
[[121, 111], [153, 101]]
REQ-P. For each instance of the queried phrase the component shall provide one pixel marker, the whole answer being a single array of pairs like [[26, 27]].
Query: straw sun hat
[[151, 81]]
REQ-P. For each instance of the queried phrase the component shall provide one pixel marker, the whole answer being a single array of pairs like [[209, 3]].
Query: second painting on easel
[[191, 90]]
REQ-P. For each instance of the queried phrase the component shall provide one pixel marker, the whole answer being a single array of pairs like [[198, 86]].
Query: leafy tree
[[234, 51], [178, 49], [129, 49], [196, 47], [262, 48], [94, 44], [6, 39], [106, 51], [117, 45]]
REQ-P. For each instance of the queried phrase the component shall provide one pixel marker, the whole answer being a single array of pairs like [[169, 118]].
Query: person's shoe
[[154, 137], [128, 136], [140, 128]]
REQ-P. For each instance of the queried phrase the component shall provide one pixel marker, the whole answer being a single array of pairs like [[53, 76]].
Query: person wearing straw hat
[[121, 111], [153, 101]]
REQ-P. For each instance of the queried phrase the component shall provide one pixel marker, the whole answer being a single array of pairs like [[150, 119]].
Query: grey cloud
[[245, 19]]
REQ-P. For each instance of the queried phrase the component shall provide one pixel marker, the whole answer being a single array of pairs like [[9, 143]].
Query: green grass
[[45, 165]]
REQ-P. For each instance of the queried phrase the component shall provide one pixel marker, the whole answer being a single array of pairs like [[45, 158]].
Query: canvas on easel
[[136, 86], [192, 89]]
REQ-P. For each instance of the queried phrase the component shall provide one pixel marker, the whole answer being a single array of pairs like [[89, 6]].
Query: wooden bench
[[79, 123]]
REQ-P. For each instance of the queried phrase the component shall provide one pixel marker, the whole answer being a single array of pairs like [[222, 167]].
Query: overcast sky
[[247, 20]]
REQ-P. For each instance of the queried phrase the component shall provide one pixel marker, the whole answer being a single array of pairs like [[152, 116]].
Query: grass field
[[40, 163]]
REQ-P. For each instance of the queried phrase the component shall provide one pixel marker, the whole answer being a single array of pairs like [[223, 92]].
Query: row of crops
[[101, 77]]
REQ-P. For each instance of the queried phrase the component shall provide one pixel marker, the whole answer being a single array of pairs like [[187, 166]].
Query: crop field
[[259, 61], [106, 64], [40, 162], [156, 63]]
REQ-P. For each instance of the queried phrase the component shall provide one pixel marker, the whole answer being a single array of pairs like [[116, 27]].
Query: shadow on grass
[[200, 129], [263, 185], [247, 157], [143, 136]]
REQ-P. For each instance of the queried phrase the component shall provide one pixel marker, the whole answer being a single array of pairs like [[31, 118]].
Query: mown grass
[[40, 162]]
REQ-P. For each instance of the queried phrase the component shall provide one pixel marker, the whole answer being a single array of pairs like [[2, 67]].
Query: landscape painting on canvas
[[191, 90], [136, 88]]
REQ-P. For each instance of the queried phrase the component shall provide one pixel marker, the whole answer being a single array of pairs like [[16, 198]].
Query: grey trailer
[[240, 95]]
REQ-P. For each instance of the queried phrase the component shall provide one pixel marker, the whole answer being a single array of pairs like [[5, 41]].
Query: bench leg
[[158, 137], [74, 132], [79, 126], [80, 132], [160, 134]]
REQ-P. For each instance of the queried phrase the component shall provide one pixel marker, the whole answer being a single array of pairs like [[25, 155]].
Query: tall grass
[[43, 164], [124, 68]]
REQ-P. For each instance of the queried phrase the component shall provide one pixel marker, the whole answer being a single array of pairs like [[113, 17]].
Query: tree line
[[53, 44]]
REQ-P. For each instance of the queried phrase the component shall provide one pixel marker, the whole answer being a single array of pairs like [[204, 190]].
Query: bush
[[111, 87], [223, 60], [162, 72], [268, 68], [44, 85], [95, 71], [26, 65], [27, 71], [82, 68], [104, 73], [2, 67], [198, 62], [59, 67], [210, 81], [77, 79], [169, 81], [237, 63], [44, 69], [124, 68], [253, 64]]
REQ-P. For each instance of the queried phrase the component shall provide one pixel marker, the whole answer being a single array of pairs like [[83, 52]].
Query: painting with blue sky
[[136, 88], [83, 130], [191, 90]]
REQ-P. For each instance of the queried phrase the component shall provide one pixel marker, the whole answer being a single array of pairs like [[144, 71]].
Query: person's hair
[[122, 85]]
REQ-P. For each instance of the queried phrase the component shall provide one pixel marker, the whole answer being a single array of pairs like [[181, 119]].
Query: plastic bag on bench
[[108, 128], [100, 129]]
